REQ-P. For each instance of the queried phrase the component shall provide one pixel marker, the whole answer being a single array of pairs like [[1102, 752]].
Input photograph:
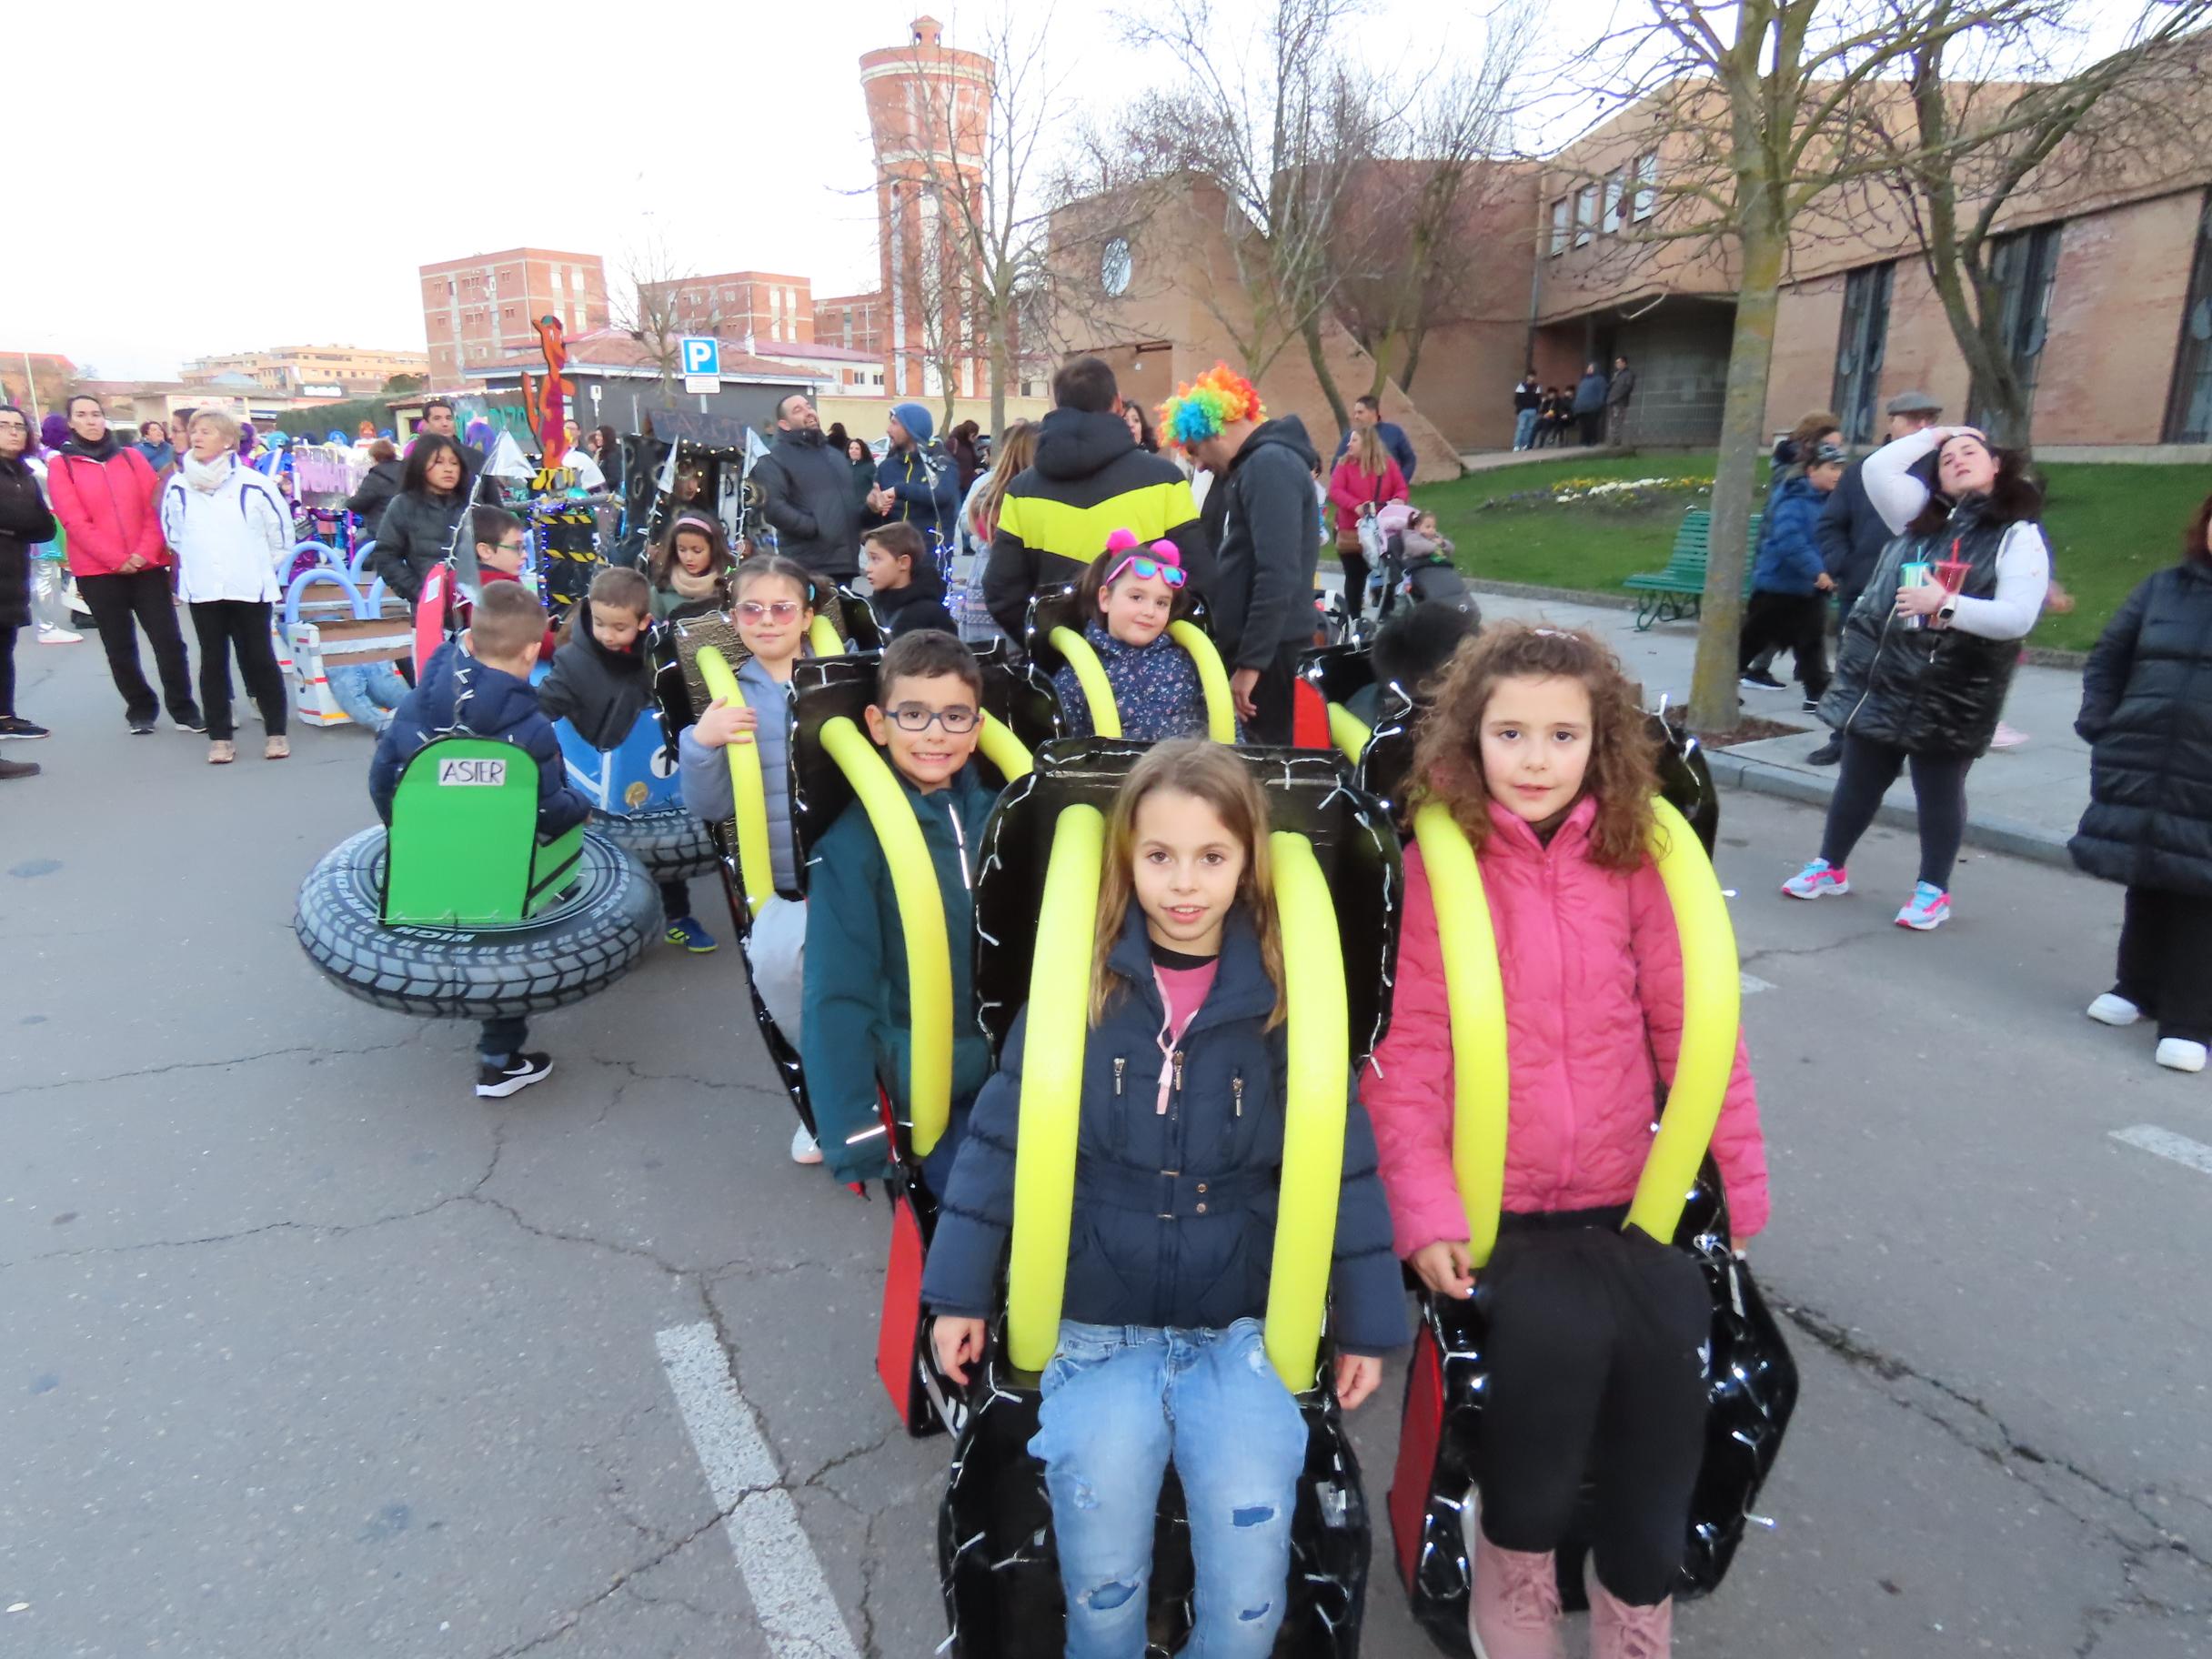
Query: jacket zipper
[[1236, 1090], [1880, 639], [960, 842], [1121, 1064]]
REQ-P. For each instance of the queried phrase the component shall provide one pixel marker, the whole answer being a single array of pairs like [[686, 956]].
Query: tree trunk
[[1320, 359], [1412, 357], [1763, 241], [1001, 358]]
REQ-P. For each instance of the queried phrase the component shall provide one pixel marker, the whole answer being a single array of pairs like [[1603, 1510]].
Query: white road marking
[[1753, 984], [2166, 1143], [792, 1599]]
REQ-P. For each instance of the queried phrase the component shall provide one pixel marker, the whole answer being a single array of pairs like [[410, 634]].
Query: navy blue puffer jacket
[[458, 694], [1174, 1218]]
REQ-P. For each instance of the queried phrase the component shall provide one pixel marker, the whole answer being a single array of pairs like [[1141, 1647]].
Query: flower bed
[[1603, 492]]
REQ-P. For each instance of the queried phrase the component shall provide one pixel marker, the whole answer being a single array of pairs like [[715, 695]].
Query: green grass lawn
[[2109, 527]]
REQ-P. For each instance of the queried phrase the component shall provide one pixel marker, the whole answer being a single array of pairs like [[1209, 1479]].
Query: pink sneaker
[[1819, 880], [1514, 1613], [1618, 1631]]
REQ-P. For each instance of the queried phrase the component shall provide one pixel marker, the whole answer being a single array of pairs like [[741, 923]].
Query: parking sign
[[701, 357]]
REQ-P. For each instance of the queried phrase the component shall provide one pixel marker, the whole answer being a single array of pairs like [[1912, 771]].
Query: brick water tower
[[928, 112]]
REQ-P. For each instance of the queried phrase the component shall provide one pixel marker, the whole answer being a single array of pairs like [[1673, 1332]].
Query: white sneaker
[[805, 1148], [2007, 736], [2112, 1009], [2180, 1054], [48, 634]]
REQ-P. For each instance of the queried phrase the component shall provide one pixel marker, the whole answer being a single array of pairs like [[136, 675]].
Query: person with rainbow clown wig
[[1263, 595], [1128, 596]]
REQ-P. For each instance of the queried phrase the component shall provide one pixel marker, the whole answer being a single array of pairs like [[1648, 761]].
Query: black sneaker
[[15, 726], [141, 726], [18, 768], [1811, 705], [1758, 679], [1827, 754], [194, 721], [497, 1080]]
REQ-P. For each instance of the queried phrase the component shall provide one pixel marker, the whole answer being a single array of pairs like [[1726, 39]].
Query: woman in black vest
[[2147, 714], [1930, 647]]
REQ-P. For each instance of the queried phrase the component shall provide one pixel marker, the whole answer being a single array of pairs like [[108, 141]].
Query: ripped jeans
[[1119, 1402]]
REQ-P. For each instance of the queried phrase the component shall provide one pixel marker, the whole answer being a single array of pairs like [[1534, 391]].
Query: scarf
[[104, 450], [706, 585], [207, 476]]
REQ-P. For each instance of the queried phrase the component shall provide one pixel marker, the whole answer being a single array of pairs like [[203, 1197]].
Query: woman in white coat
[[228, 528]]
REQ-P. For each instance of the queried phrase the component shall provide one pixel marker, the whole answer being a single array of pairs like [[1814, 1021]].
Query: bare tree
[[1756, 108], [657, 304], [1968, 151], [979, 154]]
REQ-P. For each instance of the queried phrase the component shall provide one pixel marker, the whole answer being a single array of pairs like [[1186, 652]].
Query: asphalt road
[[309, 1352]]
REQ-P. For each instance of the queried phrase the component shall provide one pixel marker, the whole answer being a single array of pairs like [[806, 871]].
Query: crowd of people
[[1594, 409]]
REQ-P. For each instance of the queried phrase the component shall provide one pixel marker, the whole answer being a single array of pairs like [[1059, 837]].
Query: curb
[[2002, 835]]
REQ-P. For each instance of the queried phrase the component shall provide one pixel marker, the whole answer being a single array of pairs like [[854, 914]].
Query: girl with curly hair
[[1537, 747]]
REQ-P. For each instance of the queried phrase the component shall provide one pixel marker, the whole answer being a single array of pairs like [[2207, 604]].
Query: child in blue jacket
[[1178, 1163], [480, 684], [1128, 597], [1789, 585], [858, 1019]]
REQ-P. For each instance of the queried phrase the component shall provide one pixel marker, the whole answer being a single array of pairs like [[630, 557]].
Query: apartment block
[[480, 310]]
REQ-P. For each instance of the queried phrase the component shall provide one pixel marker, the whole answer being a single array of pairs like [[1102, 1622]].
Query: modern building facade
[[478, 310], [929, 109], [309, 370]]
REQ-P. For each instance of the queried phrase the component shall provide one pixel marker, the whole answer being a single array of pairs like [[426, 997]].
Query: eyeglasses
[[514, 547], [913, 716], [783, 610], [1146, 568]]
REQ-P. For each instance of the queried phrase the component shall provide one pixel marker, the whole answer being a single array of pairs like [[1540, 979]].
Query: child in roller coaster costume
[[771, 607], [857, 1019], [1127, 597], [1538, 748], [1159, 1355]]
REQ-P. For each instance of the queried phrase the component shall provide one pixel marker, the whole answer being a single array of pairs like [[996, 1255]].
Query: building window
[[2188, 410], [1559, 227], [1585, 215], [2023, 267], [1115, 267], [1615, 184], [1859, 349], [1647, 186]]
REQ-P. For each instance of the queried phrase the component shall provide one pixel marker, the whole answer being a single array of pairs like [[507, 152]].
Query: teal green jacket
[[855, 1023]]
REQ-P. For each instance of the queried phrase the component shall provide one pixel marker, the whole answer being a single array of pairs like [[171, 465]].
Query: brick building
[[770, 308], [851, 320], [479, 309]]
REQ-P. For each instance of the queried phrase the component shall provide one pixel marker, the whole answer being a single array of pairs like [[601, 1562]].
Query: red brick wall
[[2115, 319]]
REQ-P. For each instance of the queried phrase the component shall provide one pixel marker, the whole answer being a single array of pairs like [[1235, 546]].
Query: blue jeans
[[1119, 1402], [368, 691], [1524, 428]]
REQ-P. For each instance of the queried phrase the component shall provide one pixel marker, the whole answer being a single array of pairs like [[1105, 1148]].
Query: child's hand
[[958, 1343], [1356, 1377], [1445, 1267], [725, 723]]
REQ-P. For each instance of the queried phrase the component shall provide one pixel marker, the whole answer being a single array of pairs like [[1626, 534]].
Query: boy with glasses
[[926, 715]]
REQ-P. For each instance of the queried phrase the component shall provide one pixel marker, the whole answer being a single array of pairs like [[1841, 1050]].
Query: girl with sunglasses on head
[[1128, 596], [772, 605]]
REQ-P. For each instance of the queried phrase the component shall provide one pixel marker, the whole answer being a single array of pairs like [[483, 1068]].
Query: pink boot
[[1619, 1631], [1514, 1613]]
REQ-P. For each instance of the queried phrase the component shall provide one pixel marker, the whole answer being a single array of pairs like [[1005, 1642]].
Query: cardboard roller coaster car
[[1752, 1379], [461, 911], [633, 788], [1384, 751], [690, 652], [1336, 863], [1053, 635], [833, 763]]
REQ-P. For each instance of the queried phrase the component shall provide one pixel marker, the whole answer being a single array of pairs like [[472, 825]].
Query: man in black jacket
[[438, 417], [1262, 601], [1088, 479], [1367, 411], [806, 492], [1852, 535]]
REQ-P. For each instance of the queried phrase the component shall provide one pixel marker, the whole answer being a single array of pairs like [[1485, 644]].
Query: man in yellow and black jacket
[[1090, 479]]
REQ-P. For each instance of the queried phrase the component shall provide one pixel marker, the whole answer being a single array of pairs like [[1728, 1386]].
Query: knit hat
[[916, 420]]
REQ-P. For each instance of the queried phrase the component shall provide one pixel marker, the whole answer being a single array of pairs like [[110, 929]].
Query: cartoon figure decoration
[[546, 406]]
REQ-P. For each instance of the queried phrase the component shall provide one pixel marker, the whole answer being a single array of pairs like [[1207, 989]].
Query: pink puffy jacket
[[1593, 972]]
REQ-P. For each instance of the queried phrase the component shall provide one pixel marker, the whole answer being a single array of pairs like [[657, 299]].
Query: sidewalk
[[2024, 801]]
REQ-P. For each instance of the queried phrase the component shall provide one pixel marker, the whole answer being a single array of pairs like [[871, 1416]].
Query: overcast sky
[[149, 228]]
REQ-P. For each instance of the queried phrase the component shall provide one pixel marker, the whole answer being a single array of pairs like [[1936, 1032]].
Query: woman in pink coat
[[1537, 746], [1365, 479], [103, 492]]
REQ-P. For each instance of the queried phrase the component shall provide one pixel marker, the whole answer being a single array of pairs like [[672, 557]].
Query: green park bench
[[1676, 593]]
